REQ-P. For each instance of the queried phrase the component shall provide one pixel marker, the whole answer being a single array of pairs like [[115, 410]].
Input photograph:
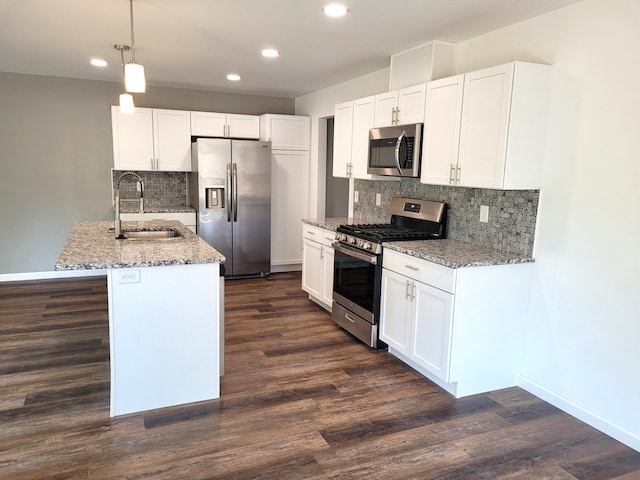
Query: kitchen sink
[[152, 234]]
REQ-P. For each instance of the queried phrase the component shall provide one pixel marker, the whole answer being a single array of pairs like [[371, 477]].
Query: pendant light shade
[[134, 78], [126, 103], [133, 72]]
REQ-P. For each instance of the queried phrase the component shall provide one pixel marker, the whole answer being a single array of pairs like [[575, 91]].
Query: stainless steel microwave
[[395, 151]]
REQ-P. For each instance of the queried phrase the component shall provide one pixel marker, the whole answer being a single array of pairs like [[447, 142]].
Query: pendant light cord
[[133, 45]]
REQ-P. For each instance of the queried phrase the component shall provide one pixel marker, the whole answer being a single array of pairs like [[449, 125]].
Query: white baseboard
[[285, 267], [619, 433], [19, 277]]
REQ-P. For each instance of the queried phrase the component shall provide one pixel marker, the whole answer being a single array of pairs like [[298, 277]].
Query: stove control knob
[[366, 245], [352, 241]]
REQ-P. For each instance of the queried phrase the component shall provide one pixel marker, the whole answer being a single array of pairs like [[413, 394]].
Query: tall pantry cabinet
[[290, 137]]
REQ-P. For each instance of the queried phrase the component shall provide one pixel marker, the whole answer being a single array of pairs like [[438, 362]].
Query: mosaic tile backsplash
[[512, 213], [160, 188]]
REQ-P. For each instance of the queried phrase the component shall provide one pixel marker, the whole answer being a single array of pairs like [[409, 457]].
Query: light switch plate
[[356, 196], [484, 213], [378, 199]]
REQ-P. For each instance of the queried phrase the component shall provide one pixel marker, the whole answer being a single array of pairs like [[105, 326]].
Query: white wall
[[582, 348], [319, 105]]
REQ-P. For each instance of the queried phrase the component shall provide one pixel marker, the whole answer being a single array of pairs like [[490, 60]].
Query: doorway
[[336, 189]]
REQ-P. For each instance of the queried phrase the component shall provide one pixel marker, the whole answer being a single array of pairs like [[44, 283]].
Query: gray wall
[[56, 156]]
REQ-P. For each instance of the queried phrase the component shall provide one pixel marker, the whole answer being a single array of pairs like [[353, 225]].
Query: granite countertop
[[134, 207], [456, 253], [334, 223], [91, 246]]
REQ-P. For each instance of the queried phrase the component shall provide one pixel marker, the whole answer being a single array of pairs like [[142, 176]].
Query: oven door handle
[[352, 252]]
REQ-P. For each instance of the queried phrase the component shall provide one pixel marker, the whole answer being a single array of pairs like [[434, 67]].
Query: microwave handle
[[398, 143]]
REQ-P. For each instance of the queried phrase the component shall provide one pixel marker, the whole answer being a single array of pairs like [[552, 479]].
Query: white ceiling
[[195, 43]]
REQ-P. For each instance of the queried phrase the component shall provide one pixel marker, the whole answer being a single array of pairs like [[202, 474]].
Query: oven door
[[355, 281]]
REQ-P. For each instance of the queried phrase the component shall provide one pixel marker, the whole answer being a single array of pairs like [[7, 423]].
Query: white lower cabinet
[[417, 321], [317, 264], [461, 328]]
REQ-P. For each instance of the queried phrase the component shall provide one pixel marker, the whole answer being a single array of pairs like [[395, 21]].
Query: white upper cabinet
[[363, 118], [400, 107], [342, 139], [502, 128], [352, 122], [286, 132], [151, 139], [231, 125], [441, 137]]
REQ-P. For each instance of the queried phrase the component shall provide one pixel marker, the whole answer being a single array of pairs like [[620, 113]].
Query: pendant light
[[126, 99], [133, 72]]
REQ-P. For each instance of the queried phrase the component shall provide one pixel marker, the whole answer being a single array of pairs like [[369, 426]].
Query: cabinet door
[[432, 327], [395, 311], [363, 116], [312, 267], [132, 139], [172, 140], [208, 124], [327, 274], [286, 132], [342, 137], [243, 126], [485, 122], [289, 204], [443, 114], [386, 104], [411, 104]]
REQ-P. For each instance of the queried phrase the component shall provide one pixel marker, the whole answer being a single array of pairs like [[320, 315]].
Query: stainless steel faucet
[[117, 225]]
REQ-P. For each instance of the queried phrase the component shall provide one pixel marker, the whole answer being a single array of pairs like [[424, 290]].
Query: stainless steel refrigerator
[[230, 185]]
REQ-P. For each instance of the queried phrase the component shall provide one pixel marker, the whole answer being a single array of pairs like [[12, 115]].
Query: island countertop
[[92, 246]]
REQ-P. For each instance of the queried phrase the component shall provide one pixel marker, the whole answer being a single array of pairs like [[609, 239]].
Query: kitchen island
[[164, 312]]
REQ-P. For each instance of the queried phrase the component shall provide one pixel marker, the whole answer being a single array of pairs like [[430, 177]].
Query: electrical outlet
[[138, 187], [484, 213], [378, 199], [356, 196], [128, 276]]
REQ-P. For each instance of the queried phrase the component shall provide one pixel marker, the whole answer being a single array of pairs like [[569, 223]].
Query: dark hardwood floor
[[300, 400]]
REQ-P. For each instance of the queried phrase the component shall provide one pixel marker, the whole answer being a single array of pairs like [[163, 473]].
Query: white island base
[[164, 332]]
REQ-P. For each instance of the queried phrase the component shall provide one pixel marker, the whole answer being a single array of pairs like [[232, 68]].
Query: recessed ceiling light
[[234, 77], [98, 62], [270, 52], [335, 10]]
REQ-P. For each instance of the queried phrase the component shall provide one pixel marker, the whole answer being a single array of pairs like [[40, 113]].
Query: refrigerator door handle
[[235, 192], [228, 193]]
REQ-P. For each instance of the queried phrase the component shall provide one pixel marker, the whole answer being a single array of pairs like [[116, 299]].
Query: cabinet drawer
[[328, 237], [312, 232], [421, 270]]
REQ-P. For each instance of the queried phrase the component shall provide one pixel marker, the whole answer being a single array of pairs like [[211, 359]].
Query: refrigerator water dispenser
[[215, 193]]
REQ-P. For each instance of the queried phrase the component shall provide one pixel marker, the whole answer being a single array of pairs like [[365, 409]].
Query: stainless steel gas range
[[357, 268]]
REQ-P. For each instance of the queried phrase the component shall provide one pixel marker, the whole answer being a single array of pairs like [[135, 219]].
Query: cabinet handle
[[397, 115], [310, 232], [151, 163], [411, 267], [329, 238], [452, 180], [350, 318], [321, 253], [413, 292], [407, 290], [458, 171]]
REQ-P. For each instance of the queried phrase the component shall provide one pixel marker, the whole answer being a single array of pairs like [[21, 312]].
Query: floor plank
[[301, 399]]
